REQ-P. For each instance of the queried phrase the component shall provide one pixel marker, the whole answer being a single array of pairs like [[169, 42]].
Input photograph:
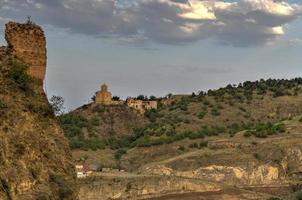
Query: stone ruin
[[103, 96], [140, 105], [27, 42]]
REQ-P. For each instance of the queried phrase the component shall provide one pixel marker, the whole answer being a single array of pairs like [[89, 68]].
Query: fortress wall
[[27, 42]]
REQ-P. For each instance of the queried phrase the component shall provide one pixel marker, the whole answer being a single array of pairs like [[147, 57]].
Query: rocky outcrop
[[27, 42], [35, 160], [140, 187]]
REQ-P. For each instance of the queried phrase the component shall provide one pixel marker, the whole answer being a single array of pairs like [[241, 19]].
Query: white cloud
[[240, 23]]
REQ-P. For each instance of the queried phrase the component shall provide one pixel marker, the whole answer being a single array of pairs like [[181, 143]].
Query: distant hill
[[225, 110], [246, 139]]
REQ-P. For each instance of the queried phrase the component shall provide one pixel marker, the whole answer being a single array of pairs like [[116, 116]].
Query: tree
[[141, 97], [29, 21], [115, 98], [93, 98], [152, 98], [57, 104]]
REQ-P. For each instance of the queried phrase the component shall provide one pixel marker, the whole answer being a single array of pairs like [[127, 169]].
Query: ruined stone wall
[[27, 42], [141, 106]]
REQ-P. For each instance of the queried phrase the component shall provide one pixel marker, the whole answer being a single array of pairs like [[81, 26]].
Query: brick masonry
[[28, 43]]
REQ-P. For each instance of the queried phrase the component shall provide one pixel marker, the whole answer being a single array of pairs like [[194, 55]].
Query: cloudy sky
[[155, 47]]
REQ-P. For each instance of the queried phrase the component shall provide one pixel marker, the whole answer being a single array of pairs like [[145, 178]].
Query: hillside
[[96, 126], [227, 110], [35, 160], [243, 141], [217, 167]]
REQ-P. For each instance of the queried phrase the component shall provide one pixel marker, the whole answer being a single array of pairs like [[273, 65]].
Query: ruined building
[[103, 96], [27, 42], [140, 105]]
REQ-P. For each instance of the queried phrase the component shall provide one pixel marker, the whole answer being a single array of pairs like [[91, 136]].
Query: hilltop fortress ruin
[[105, 97], [27, 43]]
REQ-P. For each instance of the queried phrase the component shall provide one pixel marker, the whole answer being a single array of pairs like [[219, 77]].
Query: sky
[[156, 47]]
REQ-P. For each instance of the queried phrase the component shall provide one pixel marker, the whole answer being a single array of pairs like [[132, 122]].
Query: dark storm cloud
[[240, 23]]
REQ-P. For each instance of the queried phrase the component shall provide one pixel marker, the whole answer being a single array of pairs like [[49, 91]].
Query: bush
[[18, 73], [194, 145], [2, 105], [187, 121], [94, 121], [273, 198], [196, 135], [119, 153], [247, 133], [115, 98], [181, 148], [203, 144], [151, 115], [215, 112], [299, 195], [64, 186], [201, 115]]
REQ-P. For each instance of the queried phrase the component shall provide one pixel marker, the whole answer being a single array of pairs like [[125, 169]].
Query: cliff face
[[35, 160]]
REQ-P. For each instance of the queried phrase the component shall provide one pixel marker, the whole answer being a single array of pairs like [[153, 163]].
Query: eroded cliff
[[35, 160]]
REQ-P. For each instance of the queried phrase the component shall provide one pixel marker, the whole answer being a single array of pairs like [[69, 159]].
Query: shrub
[[247, 133], [299, 195], [94, 144], [64, 186], [193, 145], [203, 144], [206, 102], [215, 112], [273, 198], [18, 73], [115, 98], [119, 153], [187, 121], [256, 155], [242, 109], [2, 105], [196, 135], [201, 115], [151, 115], [181, 148], [94, 121]]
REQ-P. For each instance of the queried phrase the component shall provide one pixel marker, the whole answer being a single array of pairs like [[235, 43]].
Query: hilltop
[[228, 110]]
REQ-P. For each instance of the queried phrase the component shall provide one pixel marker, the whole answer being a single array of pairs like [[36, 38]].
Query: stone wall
[[27, 42], [141, 106]]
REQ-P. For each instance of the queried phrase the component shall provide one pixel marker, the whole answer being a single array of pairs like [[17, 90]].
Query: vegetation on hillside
[[192, 117], [27, 125]]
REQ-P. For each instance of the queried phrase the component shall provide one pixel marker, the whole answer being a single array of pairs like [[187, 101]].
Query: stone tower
[[103, 96], [27, 42]]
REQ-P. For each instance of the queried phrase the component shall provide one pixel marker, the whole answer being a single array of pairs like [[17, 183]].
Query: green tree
[[115, 98], [57, 104]]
